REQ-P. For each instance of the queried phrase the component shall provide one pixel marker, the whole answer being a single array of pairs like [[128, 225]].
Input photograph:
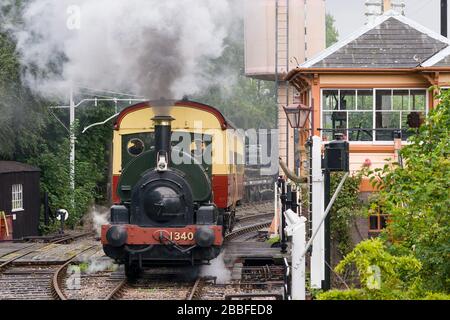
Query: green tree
[[332, 34], [346, 209], [94, 146], [91, 163], [383, 276], [30, 132], [20, 110], [417, 197]]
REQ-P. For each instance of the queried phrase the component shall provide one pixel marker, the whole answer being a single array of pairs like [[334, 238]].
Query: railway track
[[258, 282], [32, 248], [56, 284], [158, 285], [27, 283], [162, 289], [103, 285], [239, 233], [253, 208], [49, 280], [247, 227], [30, 281], [250, 218]]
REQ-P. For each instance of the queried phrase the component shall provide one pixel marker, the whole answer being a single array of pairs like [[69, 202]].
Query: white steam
[[99, 216], [151, 47], [99, 265], [217, 269]]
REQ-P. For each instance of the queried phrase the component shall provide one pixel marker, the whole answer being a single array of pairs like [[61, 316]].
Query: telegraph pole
[[72, 140], [72, 106], [444, 18]]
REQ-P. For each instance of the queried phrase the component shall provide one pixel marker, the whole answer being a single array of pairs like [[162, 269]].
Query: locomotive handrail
[[175, 245]]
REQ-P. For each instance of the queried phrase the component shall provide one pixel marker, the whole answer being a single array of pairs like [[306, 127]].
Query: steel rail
[[116, 290], [254, 217], [247, 229], [195, 290], [64, 239], [10, 261], [58, 293]]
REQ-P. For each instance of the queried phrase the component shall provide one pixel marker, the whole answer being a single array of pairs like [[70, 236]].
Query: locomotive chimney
[[163, 132]]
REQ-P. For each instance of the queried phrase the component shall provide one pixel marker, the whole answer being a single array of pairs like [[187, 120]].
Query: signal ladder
[[282, 64]]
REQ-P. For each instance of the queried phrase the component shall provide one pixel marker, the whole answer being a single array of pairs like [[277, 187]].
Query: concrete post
[[297, 229], [318, 253]]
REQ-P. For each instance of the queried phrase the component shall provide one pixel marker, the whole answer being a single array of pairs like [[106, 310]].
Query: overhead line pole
[[72, 140], [444, 18], [72, 106]]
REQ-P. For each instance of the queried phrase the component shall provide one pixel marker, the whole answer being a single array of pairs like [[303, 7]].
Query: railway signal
[[62, 215], [335, 159]]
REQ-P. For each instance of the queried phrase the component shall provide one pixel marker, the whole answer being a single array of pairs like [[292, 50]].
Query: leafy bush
[[352, 294], [383, 276], [91, 168], [346, 209], [416, 197], [55, 179]]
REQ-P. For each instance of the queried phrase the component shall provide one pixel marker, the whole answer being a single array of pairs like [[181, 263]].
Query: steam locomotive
[[173, 200]]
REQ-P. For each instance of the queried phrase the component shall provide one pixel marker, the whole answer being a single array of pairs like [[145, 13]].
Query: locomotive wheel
[[132, 271]]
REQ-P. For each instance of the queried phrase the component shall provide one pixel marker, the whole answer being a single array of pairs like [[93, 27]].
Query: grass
[[273, 240]]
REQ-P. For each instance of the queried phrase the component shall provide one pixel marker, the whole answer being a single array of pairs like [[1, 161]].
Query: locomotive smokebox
[[163, 132]]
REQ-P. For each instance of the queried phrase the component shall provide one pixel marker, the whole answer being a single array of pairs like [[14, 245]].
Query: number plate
[[177, 236]]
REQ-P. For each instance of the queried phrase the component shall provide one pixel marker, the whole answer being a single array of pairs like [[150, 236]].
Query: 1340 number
[[177, 236]]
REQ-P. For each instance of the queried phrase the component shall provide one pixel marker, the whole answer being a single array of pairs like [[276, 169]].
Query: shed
[[19, 200]]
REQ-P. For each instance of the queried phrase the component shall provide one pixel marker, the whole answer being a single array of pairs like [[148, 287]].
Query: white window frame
[[17, 197], [374, 90]]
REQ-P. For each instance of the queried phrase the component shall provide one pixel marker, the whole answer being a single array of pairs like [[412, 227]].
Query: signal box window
[[17, 197]]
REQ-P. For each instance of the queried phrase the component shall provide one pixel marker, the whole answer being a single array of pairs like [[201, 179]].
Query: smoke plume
[[150, 47], [99, 216], [217, 269]]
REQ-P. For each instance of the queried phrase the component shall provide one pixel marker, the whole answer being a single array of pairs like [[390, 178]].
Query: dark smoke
[[160, 64], [153, 48]]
